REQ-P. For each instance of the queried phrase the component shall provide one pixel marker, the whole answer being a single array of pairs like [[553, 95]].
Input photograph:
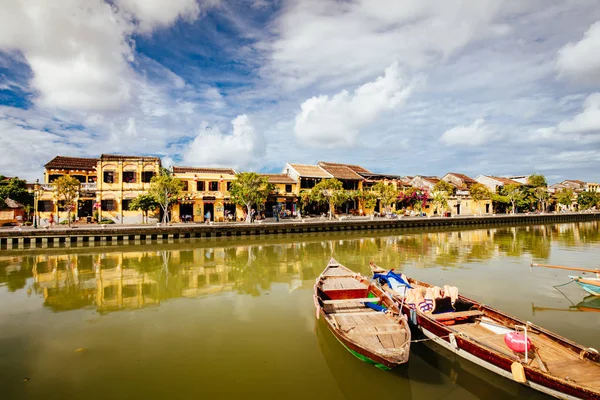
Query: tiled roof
[[431, 179], [505, 181], [60, 162], [118, 157], [341, 171], [464, 178], [356, 168], [580, 183], [279, 178], [202, 170], [311, 171]]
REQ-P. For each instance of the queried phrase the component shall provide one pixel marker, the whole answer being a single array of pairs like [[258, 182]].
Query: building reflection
[[118, 279]]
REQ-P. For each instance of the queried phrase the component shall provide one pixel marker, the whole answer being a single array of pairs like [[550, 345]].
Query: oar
[[593, 271]]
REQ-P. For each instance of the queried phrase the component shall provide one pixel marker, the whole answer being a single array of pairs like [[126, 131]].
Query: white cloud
[[333, 41], [80, 50], [337, 121], [241, 149], [160, 13], [586, 121], [475, 134], [581, 61]]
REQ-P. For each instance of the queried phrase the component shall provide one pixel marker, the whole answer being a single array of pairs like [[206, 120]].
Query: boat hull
[[590, 285]]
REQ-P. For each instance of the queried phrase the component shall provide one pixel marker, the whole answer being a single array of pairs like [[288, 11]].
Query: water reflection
[[145, 275]]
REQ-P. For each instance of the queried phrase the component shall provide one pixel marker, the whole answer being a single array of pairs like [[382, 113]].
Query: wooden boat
[[590, 285], [362, 317], [553, 365]]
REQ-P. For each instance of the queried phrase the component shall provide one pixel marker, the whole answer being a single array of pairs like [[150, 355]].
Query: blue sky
[[403, 87]]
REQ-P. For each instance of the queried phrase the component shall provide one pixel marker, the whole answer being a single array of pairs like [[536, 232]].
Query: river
[[234, 317]]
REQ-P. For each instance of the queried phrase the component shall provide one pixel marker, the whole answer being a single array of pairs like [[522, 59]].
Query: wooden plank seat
[[454, 315], [363, 300]]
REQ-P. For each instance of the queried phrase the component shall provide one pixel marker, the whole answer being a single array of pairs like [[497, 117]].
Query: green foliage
[[144, 203], [329, 191], [106, 222], [587, 200], [15, 189], [480, 192], [514, 195], [440, 200], [540, 193], [537, 180], [368, 199], [565, 197], [387, 193], [443, 186], [248, 189], [166, 190], [66, 188]]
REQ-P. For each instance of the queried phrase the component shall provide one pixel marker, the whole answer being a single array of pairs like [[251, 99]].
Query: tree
[[66, 188], [14, 189], [388, 194], [480, 192], [587, 200], [514, 195], [443, 186], [367, 198], [144, 203], [565, 197], [248, 189], [165, 189], [440, 200], [536, 180], [331, 192], [542, 196]]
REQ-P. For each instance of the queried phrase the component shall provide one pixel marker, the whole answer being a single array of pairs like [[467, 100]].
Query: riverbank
[[28, 237]]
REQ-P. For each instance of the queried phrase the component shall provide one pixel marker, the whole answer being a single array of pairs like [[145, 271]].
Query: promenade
[[92, 234]]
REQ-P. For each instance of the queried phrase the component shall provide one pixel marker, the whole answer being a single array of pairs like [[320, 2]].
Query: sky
[[400, 87]]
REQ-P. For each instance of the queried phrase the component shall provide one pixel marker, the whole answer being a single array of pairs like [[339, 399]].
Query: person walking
[[207, 217], [51, 220], [252, 215]]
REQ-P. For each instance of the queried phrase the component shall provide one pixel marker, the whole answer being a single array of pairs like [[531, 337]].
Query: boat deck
[[375, 330], [558, 360]]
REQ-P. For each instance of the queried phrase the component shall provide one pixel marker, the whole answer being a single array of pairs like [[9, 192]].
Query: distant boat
[[534, 356], [362, 317], [590, 304], [590, 285]]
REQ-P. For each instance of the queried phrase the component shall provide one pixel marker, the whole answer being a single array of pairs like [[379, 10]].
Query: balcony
[[88, 187]]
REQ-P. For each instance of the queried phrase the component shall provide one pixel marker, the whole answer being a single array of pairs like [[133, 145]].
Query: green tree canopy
[[480, 192], [329, 191], [542, 196], [66, 188], [443, 186], [537, 180], [388, 194], [440, 200], [587, 200], [248, 189], [14, 189], [144, 203], [166, 190], [514, 195], [565, 197]]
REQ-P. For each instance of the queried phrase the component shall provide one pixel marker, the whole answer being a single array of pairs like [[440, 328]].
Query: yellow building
[[82, 169], [205, 195], [120, 180], [284, 197]]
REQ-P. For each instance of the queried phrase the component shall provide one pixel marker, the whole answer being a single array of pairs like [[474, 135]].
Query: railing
[[47, 186], [84, 186], [89, 186]]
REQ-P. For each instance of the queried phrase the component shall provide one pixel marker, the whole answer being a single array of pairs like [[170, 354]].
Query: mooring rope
[[564, 284]]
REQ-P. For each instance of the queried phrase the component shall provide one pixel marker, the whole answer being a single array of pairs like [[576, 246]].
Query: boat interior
[[549, 353], [354, 308]]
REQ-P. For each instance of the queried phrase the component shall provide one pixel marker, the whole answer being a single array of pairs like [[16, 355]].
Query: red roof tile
[[60, 162], [342, 171], [279, 178], [118, 157], [467, 180], [311, 171]]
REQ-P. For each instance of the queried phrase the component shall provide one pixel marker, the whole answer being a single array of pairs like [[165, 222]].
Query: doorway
[[209, 208], [186, 212], [85, 208]]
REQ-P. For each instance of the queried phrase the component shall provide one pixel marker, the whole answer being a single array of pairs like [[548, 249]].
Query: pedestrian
[[252, 215], [51, 220], [207, 217]]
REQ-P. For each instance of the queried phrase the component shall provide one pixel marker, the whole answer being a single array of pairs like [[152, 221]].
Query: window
[[229, 186], [288, 188], [92, 179], [45, 205], [53, 177], [126, 203], [200, 186], [213, 186], [350, 185], [108, 205], [129, 176], [80, 178], [147, 176], [109, 177], [308, 183]]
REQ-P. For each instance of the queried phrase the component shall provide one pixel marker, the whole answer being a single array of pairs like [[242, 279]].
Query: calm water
[[235, 318]]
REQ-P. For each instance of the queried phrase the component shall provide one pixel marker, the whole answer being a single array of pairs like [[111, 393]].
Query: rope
[[564, 284]]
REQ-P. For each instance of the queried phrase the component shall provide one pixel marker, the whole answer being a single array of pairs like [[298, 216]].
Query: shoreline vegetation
[[107, 235]]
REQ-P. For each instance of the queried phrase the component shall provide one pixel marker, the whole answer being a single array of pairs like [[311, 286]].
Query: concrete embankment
[[105, 234]]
